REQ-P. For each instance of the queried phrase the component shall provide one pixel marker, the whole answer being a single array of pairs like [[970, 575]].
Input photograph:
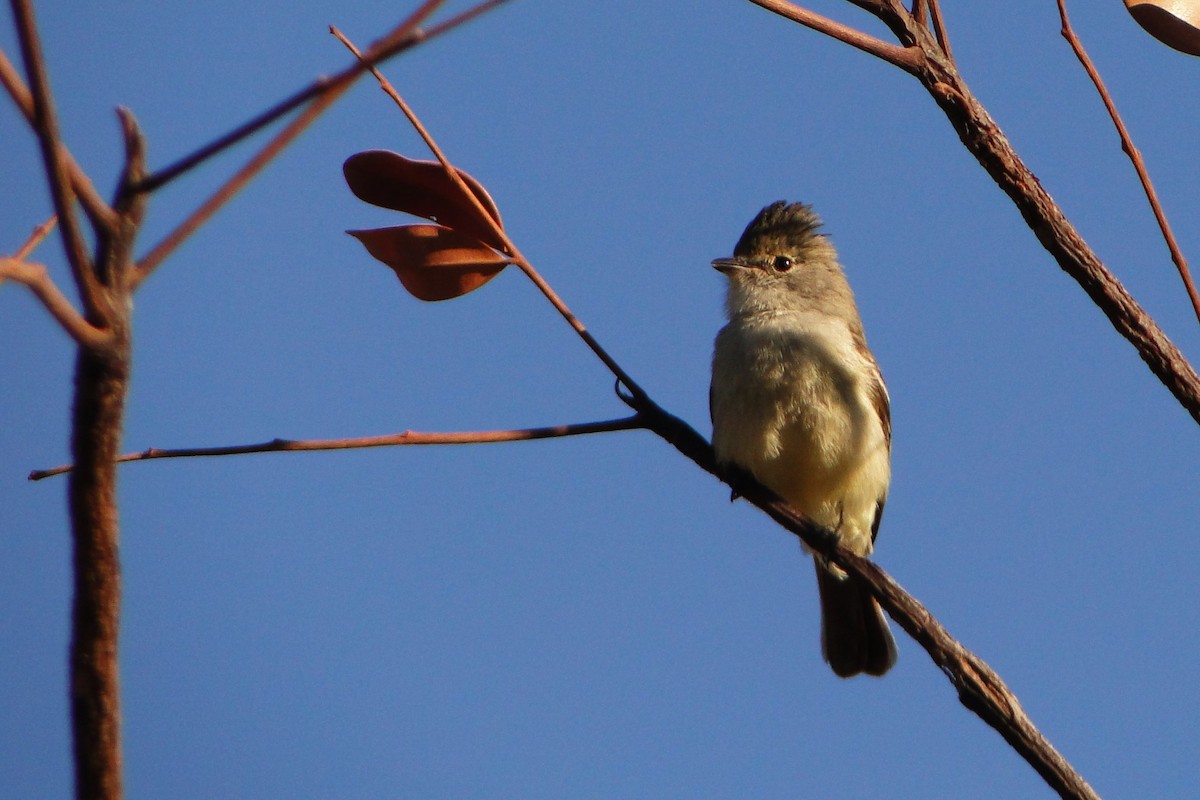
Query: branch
[[979, 687], [45, 125], [98, 212], [390, 45], [1135, 156], [390, 440], [983, 138], [323, 94], [101, 386], [35, 238], [510, 247], [905, 58], [113, 253], [329, 93], [37, 279]]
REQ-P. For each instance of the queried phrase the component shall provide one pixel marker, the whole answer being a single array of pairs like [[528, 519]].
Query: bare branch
[[983, 138], [391, 45], [101, 389], [979, 687], [323, 100], [35, 238], [323, 95], [98, 212], [45, 125], [1135, 156], [37, 279], [510, 247], [906, 58], [390, 440], [164, 176]]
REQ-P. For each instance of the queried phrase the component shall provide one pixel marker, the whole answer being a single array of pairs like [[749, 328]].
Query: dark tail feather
[[855, 636]]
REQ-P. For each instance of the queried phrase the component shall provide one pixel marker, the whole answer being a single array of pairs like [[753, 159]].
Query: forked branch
[[37, 279], [104, 333], [45, 126], [97, 210], [319, 96], [979, 133], [978, 687], [498, 231], [905, 58]]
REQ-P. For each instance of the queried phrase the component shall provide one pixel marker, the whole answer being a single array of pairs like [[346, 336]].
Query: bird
[[798, 401]]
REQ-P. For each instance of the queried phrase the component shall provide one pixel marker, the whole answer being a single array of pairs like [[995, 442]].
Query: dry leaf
[[423, 189], [433, 262]]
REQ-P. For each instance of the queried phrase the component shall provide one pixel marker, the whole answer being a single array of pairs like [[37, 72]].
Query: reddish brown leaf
[[423, 189], [433, 262]]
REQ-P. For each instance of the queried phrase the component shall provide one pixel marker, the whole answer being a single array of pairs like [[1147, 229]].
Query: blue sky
[[591, 617]]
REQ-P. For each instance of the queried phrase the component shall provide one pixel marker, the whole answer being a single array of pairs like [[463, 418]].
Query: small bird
[[798, 401]]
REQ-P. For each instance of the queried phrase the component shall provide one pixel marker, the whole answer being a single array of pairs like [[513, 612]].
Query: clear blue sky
[[591, 618]]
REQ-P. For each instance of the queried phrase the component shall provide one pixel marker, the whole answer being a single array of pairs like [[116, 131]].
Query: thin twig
[[98, 211], [167, 174], [45, 125], [149, 262], [324, 92], [939, 28], [906, 58], [510, 247], [983, 138], [396, 42], [1135, 156], [988, 696], [391, 45], [35, 238], [390, 440], [37, 279], [326, 97]]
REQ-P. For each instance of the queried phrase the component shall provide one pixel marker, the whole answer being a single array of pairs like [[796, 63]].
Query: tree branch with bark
[[931, 62], [105, 280]]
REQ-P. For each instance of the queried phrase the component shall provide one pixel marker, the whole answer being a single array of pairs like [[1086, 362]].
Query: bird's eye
[[782, 263]]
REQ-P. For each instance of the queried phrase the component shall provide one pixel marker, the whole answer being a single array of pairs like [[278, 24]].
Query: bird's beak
[[729, 265]]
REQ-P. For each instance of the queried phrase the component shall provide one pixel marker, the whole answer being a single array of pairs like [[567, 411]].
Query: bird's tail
[[855, 637]]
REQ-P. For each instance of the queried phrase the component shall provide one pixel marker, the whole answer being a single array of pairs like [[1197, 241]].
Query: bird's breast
[[788, 406]]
